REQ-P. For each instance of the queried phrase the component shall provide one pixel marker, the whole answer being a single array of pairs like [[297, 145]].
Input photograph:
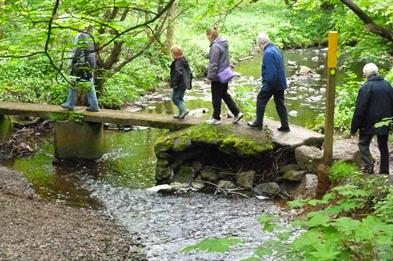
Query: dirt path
[[32, 229]]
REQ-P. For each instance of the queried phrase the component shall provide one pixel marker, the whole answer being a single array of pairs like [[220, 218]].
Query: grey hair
[[263, 38], [370, 69]]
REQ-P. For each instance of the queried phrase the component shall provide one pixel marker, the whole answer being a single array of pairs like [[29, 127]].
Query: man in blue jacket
[[374, 103], [274, 84]]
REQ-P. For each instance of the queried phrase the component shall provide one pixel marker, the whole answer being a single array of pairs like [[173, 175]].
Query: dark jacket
[[273, 70], [218, 58], [374, 102], [181, 75]]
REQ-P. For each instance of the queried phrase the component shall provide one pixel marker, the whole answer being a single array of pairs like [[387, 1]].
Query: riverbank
[[33, 229]]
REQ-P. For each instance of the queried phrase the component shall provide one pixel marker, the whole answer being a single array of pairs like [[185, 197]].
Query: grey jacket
[[218, 58]]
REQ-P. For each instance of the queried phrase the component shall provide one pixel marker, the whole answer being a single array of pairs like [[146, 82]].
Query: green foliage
[[67, 116], [343, 170], [218, 245], [351, 222]]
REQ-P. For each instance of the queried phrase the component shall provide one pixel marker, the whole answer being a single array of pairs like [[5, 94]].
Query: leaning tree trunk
[[370, 24], [170, 33]]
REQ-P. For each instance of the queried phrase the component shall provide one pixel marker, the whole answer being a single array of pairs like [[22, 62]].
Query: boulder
[[184, 174], [269, 189], [209, 174], [246, 179], [226, 184], [307, 188], [181, 144], [294, 175], [306, 156]]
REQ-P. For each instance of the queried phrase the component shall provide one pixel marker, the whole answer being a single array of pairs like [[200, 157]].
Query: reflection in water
[[129, 162]]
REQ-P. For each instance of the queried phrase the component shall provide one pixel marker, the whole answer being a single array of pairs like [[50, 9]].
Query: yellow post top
[[332, 49]]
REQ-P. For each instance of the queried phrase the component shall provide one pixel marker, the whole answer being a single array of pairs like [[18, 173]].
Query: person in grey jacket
[[218, 62], [83, 64], [374, 103]]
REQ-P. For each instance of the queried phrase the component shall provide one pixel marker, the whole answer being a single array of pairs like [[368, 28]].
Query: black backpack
[[80, 64]]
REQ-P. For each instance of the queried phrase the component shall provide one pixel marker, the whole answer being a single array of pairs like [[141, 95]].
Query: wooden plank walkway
[[104, 115]]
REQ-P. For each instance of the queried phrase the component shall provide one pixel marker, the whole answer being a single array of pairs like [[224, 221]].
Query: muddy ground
[[33, 229]]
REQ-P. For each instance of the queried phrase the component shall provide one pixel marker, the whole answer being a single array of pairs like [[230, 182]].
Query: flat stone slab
[[296, 137], [104, 115]]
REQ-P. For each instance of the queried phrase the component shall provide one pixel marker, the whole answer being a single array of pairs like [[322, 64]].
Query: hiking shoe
[[254, 125], [238, 117], [183, 114], [368, 169], [66, 107], [284, 129], [92, 109], [213, 121]]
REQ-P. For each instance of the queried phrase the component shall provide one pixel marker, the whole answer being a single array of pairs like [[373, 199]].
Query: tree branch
[[371, 26]]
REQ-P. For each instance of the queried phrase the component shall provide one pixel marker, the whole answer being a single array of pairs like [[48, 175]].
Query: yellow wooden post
[[330, 97]]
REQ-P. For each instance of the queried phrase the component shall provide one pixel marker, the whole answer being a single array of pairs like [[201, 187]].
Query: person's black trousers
[[364, 148], [262, 99], [220, 92]]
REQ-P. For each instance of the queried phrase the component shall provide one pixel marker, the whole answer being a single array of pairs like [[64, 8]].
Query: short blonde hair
[[212, 31], [370, 69], [177, 50]]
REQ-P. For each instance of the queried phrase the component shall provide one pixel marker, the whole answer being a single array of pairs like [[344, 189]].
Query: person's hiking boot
[[183, 114], [64, 106], [213, 121], [368, 169], [92, 109], [238, 117], [255, 125], [284, 129]]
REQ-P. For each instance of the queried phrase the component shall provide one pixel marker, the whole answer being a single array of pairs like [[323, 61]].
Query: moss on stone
[[227, 138], [5, 127]]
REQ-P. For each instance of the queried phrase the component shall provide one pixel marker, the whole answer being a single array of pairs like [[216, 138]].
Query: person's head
[[263, 40], [176, 51], [370, 69], [212, 34]]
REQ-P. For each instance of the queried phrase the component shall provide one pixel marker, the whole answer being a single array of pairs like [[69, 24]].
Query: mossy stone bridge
[[84, 140]]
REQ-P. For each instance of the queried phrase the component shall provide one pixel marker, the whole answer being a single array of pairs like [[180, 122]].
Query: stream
[[116, 184]]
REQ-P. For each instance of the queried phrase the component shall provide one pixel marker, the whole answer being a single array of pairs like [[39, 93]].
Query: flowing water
[[116, 183]]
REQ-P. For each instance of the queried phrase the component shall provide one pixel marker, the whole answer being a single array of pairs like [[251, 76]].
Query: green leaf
[[318, 218], [219, 245]]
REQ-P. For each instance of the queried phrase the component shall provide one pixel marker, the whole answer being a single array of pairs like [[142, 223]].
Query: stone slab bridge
[[85, 140]]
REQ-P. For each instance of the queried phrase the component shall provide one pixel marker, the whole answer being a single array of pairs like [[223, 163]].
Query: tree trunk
[[170, 33], [370, 25], [2, 4]]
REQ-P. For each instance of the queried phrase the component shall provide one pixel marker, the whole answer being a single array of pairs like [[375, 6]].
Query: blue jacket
[[273, 70], [374, 102]]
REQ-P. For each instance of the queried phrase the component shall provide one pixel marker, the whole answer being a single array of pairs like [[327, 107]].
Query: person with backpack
[[83, 64], [181, 80], [219, 73]]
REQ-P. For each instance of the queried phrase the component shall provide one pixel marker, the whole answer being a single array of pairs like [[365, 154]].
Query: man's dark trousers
[[364, 148], [262, 99]]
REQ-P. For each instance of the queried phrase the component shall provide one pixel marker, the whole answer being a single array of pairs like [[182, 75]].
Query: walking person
[[181, 80], [374, 103], [274, 84], [83, 64], [218, 63]]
